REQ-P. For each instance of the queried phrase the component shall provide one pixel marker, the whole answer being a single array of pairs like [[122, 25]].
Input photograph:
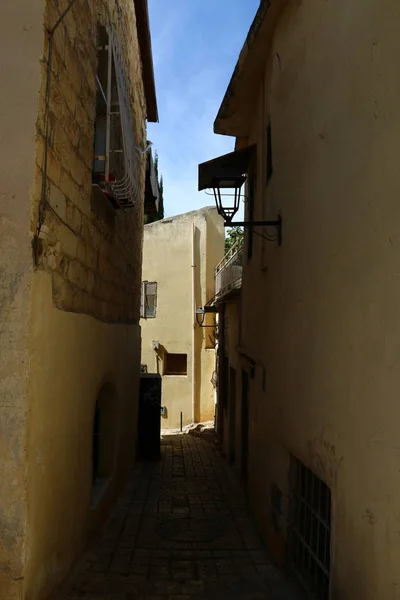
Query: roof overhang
[[229, 165], [144, 38], [236, 113]]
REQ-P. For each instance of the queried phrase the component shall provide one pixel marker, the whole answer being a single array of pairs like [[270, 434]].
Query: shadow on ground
[[179, 532]]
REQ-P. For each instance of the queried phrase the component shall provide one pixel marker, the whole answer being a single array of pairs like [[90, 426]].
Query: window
[[115, 158], [175, 364], [148, 306], [310, 532], [269, 152]]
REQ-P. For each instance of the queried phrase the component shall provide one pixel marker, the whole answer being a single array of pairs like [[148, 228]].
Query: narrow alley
[[180, 531]]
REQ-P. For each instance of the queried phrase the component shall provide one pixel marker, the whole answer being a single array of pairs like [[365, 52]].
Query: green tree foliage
[[160, 181], [235, 234], [161, 196], [160, 214]]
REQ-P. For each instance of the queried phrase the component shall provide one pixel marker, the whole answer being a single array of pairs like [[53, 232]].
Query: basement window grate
[[310, 531]]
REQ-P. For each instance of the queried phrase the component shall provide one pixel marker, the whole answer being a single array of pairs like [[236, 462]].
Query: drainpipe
[[193, 305]]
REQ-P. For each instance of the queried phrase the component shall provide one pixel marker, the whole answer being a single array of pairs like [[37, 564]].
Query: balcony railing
[[228, 273]]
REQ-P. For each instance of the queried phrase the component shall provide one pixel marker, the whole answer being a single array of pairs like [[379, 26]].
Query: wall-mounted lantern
[[227, 209], [201, 313], [226, 175]]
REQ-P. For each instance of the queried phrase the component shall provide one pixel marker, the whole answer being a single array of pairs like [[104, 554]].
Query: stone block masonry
[[55, 364], [92, 251]]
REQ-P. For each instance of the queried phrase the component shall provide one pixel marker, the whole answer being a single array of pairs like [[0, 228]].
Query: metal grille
[[125, 189], [116, 161], [310, 532]]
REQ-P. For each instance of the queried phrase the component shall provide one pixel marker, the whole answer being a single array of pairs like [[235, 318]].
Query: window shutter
[[143, 300], [151, 289], [150, 297]]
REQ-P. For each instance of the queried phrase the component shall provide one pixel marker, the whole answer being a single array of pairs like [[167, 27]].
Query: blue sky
[[196, 44]]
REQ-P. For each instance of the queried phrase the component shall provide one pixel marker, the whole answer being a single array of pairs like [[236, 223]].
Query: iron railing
[[228, 272]]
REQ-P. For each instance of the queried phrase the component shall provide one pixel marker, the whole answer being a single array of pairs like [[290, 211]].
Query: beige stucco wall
[[21, 38], [324, 322], [70, 311], [72, 358], [167, 260]]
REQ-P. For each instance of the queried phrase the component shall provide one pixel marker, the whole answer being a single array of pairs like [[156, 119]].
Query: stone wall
[[87, 259], [21, 40], [92, 250]]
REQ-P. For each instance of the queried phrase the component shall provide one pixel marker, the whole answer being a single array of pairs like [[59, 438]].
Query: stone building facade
[[314, 99], [180, 254], [70, 274]]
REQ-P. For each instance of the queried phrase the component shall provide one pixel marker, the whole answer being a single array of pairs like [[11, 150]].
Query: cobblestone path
[[180, 532]]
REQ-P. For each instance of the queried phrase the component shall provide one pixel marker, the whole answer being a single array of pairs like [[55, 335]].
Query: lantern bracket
[[229, 172], [201, 313], [250, 224]]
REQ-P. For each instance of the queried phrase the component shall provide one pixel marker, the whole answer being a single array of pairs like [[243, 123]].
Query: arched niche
[[104, 437]]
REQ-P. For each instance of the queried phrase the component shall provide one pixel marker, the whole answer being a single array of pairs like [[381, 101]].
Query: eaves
[[237, 109]]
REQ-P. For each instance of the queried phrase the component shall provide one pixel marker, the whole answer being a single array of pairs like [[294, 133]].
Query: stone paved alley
[[180, 532]]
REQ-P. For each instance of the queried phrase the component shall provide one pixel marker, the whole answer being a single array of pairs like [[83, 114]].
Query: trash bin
[[149, 420]]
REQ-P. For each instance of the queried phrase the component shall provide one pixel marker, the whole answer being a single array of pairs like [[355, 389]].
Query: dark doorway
[[223, 396], [232, 414], [149, 419], [245, 424], [220, 374]]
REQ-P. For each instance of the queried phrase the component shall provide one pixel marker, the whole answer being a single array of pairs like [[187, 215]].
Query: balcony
[[228, 273]]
